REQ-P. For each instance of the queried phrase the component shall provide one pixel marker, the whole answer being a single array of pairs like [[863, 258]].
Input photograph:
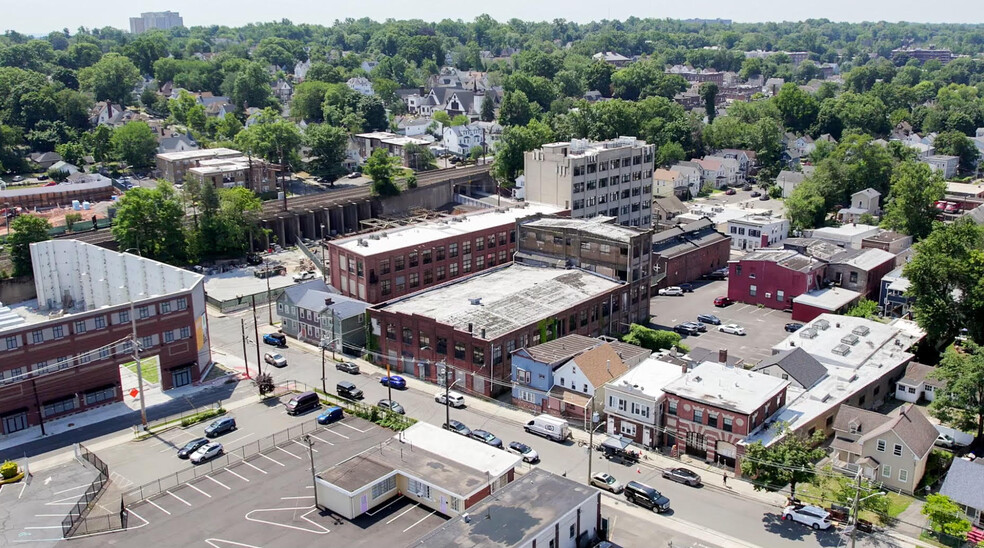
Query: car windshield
[[609, 480], [193, 444]]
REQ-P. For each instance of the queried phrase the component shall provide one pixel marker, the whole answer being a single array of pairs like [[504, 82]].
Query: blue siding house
[[532, 368], [892, 298]]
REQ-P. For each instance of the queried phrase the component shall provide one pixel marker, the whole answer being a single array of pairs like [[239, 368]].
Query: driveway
[[764, 326]]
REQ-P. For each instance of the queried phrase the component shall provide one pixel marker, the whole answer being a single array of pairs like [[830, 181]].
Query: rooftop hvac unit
[[850, 339], [861, 330], [841, 350], [808, 333], [821, 324]]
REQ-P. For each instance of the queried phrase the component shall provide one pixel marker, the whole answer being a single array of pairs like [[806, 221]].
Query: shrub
[[8, 469], [71, 219], [203, 416]]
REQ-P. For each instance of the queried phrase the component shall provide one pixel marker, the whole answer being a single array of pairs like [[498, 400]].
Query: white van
[[548, 427]]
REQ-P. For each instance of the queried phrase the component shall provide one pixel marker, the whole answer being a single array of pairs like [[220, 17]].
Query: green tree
[[460, 120], [24, 231], [251, 87], [945, 276], [805, 207], [328, 144], [789, 461], [946, 516], [708, 93], [442, 117], [864, 309], [57, 175], [227, 127], [151, 220], [799, 109], [197, 118], [308, 100], [110, 79], [910, 208], [181, 106], [381, 168], [476, 152], [516, 141], [134, 143], [419, 157], [669, 154], [960, 402], [955, 143], [516, 109], [652, 339], [488, 109], [272, 138]]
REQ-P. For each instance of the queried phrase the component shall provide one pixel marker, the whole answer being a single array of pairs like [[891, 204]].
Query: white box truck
[[549, 427]]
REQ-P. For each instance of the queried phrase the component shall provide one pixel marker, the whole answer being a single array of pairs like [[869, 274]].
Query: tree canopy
[[24, 231]]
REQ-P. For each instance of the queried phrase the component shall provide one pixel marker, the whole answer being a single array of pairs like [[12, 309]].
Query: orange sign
[[134, 392]]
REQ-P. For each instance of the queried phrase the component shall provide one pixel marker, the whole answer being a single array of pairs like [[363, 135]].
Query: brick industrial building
[[686, 252], [473, 325], [223, 167], [598, 245], [62, 354], [391, 263]]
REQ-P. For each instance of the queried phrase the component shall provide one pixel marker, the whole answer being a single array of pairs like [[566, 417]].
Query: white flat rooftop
[[200, 153], [503, 299], [871, 258], [389, 240], [470, 453], [726, 387], [848, 230], [649, 377], [876, 344], [599, 226], [831, 298], [758, 220]]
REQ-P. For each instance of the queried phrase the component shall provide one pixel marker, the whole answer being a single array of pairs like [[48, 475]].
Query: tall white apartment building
[[612, 178], [161, 20], [755, 231]]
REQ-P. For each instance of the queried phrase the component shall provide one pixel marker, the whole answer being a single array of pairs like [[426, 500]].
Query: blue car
[[330, 415], [394, 381], [275, 339]]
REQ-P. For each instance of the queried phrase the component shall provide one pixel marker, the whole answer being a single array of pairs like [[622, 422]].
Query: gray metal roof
[[798, 364], [562, 349], [964, 483]]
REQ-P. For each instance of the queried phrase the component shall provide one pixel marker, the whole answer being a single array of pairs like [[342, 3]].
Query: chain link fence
[[77, 521]]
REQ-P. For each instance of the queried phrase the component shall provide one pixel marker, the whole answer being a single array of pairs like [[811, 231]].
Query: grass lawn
[[824, 495], [150, 368]]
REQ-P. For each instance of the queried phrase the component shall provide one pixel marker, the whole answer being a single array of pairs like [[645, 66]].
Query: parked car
[[746, 187], [814, 516], [709, 318], [755, 194], [219, 427], [457, 427], [765, 198], [687, 328], [17, 179], [453, 399], [308, 275], [687, 288], [275, 339], [607, 482], [731, 192], [793, 327], [682, 475], [486, 437], [945, 440], [348, 390], [719, 274], [952, 207], [721, 302], [394, 381], [392, 405], [672, 291], [529, 455], [206, 452], [191, 447], [275, 359], [646, 496], [330, 415], [700, 326], [353, 175], [732, 328], [348, 367]]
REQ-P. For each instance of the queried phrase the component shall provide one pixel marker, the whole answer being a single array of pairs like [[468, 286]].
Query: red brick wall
[[690, 266], [769, 278]]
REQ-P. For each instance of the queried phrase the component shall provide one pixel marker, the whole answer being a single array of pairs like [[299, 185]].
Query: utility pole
[[256, 332], [269, 302], [314, 474], [854, 507], [37, 401], [324, 385], [595, 418], [245, 357], [136, 352]]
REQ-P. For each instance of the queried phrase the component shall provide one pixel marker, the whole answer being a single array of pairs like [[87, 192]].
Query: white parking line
[[219, 482], [45, 527], [300, 497], [21, 494], [241, 438], [69, 489], [271, 460], [221, 542], [257, 468], [353, 428], [49, 515], [418, 521], [199, 490], [237, 475], [158, 507], [336, 433], [179, 498], [289, 453], [321, 440], [319, 531], [398, 516], [304, 445]]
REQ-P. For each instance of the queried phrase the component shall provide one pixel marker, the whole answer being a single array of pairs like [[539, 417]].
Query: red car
[[722, 301]]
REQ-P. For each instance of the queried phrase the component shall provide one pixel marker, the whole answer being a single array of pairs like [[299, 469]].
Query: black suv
[[646, 496]]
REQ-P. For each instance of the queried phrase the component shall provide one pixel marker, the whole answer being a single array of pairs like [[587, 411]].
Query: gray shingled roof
[[798, 364], [562, 349], [964, 483]]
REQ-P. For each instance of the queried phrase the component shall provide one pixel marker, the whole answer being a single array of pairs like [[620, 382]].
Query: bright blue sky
[[43, 16]]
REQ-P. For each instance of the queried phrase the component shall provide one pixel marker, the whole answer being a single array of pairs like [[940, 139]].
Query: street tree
[[946, 516], [110, 79], [864, 309], [251, 87], [488, 109], [708, 93], [134, 143], [327, 145], [960, 401], [945, 276], [24, 231], [516, 141], [308, 100], [789, 461], [956, 143], [911, 208], [152, 221], [420, 157], [382, 169], [272, 138], [799, 109], [516, 109]]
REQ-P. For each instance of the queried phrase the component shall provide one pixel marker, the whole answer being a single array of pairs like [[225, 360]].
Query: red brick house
[[773, 277], [713, 407], [686, 252]]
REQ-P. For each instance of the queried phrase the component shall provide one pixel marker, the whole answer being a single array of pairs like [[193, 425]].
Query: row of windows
[[441, 272], [616, 163], [713, 418], [79, 327], [427, 256]]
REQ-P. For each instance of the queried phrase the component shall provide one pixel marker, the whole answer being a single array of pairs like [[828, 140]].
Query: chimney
[[608, 366], [723, 356], [420, 91], [684, 367], [470, 327], [328, 301], [483, 332]]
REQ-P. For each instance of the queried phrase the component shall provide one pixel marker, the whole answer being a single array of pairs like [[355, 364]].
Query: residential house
[[395, 145], [665, 181], [712, 171], [895, 243], [634, 402], [946, 165], [691, 74], [301, 69], [410, 126], [459, 140], [45, 160], [773, 277], [860, 270], [863, 202], [612, 58], [533, 368], [746, 159], [578, 388], [369, 66], [664, 210], [710, 409], [917, 384], [802, 145], [360, 85], [283, 90], [106, 113], [795, 365], [892, 298], [891, 450], [772, 86], [755, 231], [176, 143], [688, 186], [964, 484], [731, 168], [847, 236], [685, 252], [788, 180], [593, 96], [64, 167], [314, 313]]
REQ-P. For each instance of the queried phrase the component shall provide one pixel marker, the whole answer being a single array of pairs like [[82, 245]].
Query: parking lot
[[266, 499], [32, 509], [764, 327]]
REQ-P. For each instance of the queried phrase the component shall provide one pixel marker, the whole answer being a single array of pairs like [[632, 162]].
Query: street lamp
[[447, 394], [314, 476], [136, 348], [595, 420]]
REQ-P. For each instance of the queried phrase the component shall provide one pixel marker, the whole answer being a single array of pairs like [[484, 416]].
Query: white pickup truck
[[309, 275]]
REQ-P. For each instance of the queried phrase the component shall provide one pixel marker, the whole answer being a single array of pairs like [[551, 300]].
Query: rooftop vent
[[476, 301], [850, 339], [809, 333], [861, 330], [374, 236], [821, 324], [841, 350], [363, 242]]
